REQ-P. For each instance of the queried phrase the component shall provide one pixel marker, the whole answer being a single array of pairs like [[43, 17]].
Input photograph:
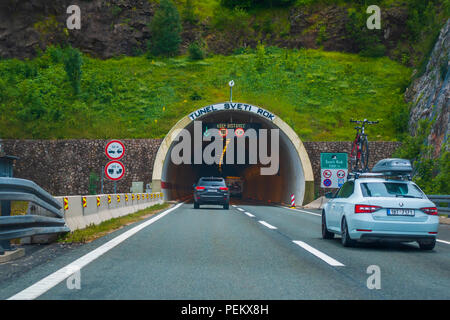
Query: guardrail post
[[6, 211]]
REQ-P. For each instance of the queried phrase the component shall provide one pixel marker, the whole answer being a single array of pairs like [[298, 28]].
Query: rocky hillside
[[115, 27], [429, 94], [108, 28]]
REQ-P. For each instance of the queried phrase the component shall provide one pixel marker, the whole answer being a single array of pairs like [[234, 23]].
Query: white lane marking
[[319, 254], [443, 241], [249, 214], [267, 225], [52, 280], [314, 214], [240, 209]]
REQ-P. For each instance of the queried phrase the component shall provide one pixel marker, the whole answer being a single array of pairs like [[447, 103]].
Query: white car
[[377, 209]]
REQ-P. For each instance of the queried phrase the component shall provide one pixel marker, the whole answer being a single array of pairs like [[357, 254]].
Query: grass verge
[[93, 232]]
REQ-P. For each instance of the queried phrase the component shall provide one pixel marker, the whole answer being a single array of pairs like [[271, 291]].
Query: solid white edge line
[[443, 241], [319, 254], [267, 225], [249, 214], [55, 278], [314, 214]]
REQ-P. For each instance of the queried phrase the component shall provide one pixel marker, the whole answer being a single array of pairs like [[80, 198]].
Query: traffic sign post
[[333, 169]]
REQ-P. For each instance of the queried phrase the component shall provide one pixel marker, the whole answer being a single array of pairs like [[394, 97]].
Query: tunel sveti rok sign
[[232, 106]]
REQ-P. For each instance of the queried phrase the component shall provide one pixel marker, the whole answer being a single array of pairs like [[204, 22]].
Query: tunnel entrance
[[294, 174]]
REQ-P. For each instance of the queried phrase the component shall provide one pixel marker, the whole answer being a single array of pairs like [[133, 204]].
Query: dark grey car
[[211, 190]]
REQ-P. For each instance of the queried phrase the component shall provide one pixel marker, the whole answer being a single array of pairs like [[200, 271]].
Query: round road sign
[[341, 174], [115, 150], [223, 132], [327, 182], [114, 170], [327, 174], [239, 132]]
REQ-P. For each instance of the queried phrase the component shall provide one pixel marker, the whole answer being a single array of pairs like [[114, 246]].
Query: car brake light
[[430, 210], [364, 208], [223, 188], [199, 188]]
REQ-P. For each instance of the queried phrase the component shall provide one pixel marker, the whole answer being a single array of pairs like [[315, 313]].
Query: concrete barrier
[[99, 208]]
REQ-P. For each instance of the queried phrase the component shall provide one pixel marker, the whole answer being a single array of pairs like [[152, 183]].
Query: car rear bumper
[[364, 227], [212, 200], [369, 236]]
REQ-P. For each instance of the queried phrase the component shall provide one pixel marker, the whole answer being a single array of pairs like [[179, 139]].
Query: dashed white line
[[267, 225], [240, 209], [443, 241], [234, 206], [319, 254], [249, 214], [55, 278]]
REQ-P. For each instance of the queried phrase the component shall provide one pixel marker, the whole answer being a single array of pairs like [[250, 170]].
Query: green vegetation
[[72, 65], [248, 4], [315, 92], [93, 232], [430, 173], [165, 28]]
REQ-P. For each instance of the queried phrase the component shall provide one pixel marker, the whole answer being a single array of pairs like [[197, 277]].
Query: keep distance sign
[[114, 170], [115, 150]]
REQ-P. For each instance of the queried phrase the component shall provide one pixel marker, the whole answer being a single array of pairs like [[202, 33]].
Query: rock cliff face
[[115, 27], [429, 94], [108, 28]]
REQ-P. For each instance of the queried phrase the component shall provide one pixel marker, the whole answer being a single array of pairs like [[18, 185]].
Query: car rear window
[[212, 182], [390, 189]]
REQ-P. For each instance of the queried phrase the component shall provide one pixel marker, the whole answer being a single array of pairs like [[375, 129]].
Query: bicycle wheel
[[354, 161], [364, 155]]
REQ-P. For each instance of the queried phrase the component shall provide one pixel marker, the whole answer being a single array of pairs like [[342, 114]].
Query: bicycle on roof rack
[[359, 156]]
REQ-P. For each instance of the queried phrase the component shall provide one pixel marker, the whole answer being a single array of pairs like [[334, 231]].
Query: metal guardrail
[[13, 227], [439, 199]]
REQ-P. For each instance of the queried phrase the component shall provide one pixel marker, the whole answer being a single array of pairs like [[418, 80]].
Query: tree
[[188, 13], [165, 28], [72, 65]]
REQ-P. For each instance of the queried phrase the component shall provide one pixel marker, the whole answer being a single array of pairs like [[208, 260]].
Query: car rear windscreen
[[212, 182], [390, 189]]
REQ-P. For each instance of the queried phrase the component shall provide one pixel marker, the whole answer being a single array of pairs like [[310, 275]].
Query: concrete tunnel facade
[[295, 175]]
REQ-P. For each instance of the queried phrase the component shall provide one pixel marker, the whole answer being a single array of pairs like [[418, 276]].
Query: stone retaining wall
[[62, 167]]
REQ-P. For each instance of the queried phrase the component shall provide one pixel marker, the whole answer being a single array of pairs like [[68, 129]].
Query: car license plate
[[400, 212], [212, 190]]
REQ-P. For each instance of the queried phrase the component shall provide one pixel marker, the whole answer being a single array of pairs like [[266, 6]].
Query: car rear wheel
[[196, 205], [345, 237], [325, 233], [428, 245]]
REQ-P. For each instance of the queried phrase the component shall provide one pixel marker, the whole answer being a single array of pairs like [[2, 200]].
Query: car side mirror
[[329, 195]]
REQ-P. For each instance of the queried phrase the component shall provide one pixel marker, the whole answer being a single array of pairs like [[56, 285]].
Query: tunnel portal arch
[[295, 175]]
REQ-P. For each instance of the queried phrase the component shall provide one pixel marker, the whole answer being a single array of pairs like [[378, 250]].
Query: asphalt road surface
[[247, 252]]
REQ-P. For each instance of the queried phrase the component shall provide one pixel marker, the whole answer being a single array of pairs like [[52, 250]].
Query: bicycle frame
[[358, 157]]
